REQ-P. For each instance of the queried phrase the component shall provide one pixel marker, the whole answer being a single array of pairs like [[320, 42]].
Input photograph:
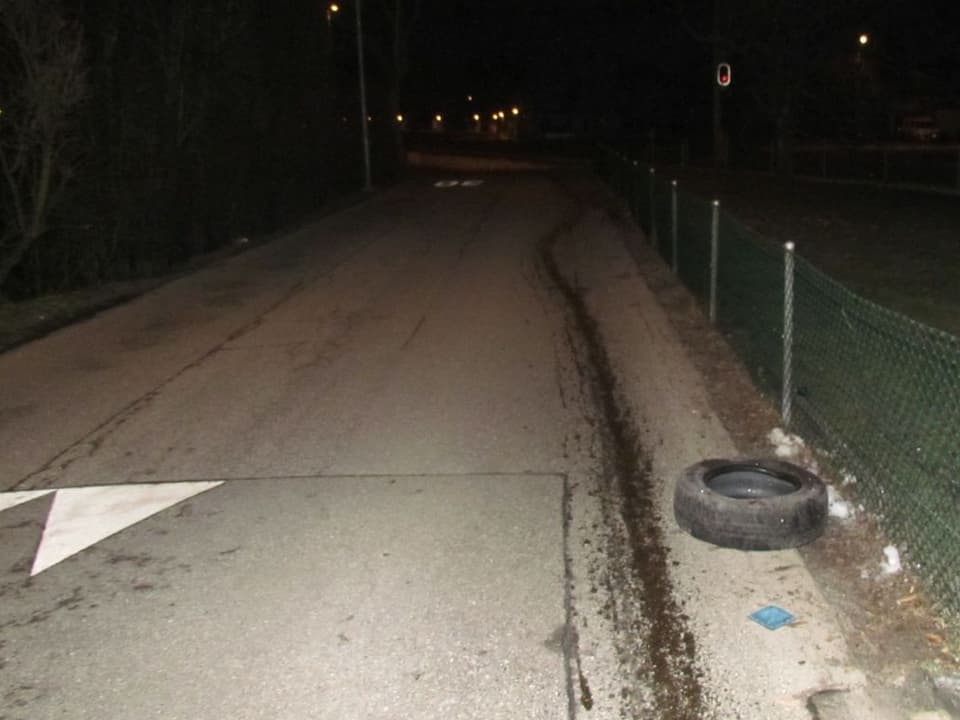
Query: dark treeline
[[134, 136]]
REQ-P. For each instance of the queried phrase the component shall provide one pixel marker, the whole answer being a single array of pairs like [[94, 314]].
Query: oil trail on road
[[667, 645]]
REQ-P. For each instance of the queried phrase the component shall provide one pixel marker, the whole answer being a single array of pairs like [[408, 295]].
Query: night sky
[[243, 114], [651, 62], [563, 56]]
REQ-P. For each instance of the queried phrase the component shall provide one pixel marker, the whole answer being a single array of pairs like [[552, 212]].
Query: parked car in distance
[[919, 128]]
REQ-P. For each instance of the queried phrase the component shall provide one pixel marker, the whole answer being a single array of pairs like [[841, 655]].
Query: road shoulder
[[749, 671]]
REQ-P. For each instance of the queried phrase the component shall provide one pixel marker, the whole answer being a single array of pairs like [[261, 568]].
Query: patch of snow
[[793, 448], [785, 445], [838, 507], [849, 479], [891, 562]]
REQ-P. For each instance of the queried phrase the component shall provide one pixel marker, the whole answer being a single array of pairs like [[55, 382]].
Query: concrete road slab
[[385, 597]]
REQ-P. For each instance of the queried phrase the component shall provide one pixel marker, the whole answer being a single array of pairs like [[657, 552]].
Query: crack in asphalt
[[88, 445], [569, 644], [416, 330], [668, 647]]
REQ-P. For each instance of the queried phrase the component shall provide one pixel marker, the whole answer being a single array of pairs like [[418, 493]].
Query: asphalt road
[[378, 469]]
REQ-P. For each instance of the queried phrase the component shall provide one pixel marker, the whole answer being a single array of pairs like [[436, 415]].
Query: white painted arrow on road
[[12, 499], [80, 517]]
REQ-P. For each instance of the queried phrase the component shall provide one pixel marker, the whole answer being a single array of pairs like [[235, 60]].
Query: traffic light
[[724, 75]]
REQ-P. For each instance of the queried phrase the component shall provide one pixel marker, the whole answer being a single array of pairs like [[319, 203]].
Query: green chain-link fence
[[876, 391]]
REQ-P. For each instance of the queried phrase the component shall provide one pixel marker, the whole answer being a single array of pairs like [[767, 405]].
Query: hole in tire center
[[747, 482]]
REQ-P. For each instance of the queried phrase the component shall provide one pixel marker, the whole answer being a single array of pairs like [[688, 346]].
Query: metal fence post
[[653, 211], [786, 401], [674, 230], [714, 257]]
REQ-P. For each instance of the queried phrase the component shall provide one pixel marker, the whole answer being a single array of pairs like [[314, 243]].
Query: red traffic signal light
[[724, 75]]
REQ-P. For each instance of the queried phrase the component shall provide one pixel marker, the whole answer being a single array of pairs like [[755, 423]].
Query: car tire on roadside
[[750, 504]]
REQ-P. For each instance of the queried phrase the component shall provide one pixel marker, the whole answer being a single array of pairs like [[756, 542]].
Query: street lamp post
[[365, 130], [332, 9]]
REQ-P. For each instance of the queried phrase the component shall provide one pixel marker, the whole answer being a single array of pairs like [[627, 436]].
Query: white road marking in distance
[[12, 499], [471, 183], [446, 183]]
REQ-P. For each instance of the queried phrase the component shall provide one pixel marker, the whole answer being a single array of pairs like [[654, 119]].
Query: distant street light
[[864, 38], [515, 111], [438, 117]]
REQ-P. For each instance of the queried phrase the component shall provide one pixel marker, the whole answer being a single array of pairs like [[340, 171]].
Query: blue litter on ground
[[772, 617]]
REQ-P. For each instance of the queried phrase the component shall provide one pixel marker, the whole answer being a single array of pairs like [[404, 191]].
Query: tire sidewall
[[764, 523]]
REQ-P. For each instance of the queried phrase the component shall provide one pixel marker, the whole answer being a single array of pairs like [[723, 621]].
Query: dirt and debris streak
[[667, 647]]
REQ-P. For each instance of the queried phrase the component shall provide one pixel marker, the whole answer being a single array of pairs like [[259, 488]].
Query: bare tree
[[43, 76], [186, 40]]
